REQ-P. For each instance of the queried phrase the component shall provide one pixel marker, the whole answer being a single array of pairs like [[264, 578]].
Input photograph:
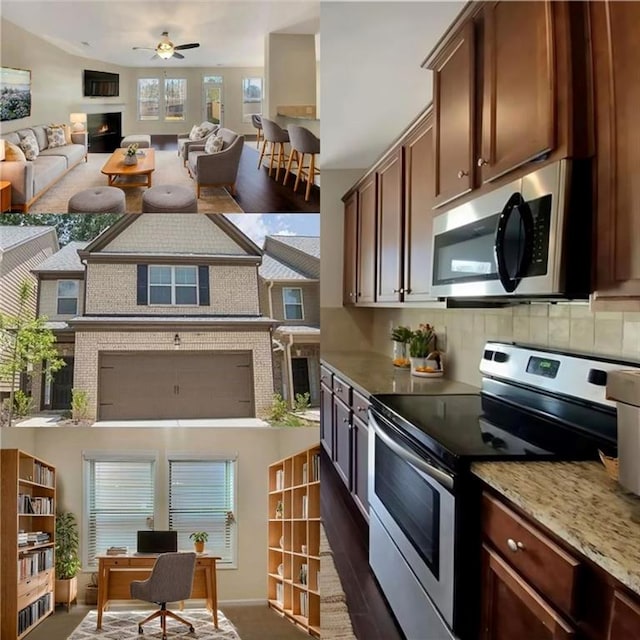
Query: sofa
[[30, 179], [217, 169]]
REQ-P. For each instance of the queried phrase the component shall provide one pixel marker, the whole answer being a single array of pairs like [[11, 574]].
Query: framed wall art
[[15, 93]]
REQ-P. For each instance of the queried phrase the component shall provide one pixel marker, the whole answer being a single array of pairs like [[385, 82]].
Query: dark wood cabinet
[[616, 81], [454, 115], [350, 261], [519, 97], [625, 618], [366, 262], [342, 440], [360, 464], [326, 419], [389, 249]]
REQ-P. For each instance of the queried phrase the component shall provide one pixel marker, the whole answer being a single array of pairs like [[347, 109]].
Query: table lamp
[[78, 120]]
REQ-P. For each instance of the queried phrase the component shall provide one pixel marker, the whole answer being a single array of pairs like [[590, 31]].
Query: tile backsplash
[[463, 332]]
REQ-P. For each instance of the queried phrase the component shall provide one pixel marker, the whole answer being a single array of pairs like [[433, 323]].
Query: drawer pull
[[514, 546], [462, 174], [345, 420], [362, 408]]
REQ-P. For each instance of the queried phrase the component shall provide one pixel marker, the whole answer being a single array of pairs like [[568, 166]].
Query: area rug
[[123, 625], [169, 170]]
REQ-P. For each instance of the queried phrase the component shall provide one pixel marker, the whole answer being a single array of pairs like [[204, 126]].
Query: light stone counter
[[580, 504], [374, 373]]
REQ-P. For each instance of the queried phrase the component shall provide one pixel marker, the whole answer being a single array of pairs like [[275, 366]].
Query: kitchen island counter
[[578, 503], [373, 373]]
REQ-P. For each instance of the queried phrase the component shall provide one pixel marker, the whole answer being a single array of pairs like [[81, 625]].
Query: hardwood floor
[[348, 535], [256, 191]]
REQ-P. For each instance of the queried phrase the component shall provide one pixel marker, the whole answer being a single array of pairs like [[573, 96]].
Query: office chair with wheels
[[170, 581]]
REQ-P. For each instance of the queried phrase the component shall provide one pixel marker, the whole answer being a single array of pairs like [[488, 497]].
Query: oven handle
[[443, 478]]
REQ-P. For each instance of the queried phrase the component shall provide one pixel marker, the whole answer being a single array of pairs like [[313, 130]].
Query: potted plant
[[199, 538], [401, 337], [67, 561], [425, 359], [130, 155]]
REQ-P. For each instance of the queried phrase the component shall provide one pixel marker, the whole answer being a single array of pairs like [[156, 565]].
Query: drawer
[[116, 562], [326, 376], [360, 405], [27, 598], [29, 584], [342, 390], [546, 566]]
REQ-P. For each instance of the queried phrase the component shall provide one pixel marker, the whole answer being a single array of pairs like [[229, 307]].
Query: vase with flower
[[131, 154], [401, 337], [426, 360]]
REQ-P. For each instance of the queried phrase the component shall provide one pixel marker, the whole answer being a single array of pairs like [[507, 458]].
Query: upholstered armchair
[[184, 142], [218, 169]]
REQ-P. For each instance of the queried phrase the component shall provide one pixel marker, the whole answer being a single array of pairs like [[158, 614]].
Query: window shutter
[[142, 284], [203, 285]]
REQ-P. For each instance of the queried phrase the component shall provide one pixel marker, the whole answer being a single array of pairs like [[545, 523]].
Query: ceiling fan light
[[165, 47]]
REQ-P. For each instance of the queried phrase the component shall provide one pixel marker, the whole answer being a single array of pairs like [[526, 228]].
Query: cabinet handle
[[407, 291], [401, 290], [514, 546], [362, 408], [482, 162], [345, 420], [462, 174]]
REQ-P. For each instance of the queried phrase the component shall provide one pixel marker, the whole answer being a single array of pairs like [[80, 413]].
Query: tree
[[25, 343]]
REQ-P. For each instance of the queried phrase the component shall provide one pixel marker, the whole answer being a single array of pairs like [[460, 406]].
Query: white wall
[[256, 449]]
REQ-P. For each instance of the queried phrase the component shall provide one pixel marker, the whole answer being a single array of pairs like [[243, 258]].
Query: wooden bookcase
[[294, 539], [28, 504]]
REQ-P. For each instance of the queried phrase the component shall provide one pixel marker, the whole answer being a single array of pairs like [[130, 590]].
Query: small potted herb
[[199, 538], [425, 359], [401, 337]]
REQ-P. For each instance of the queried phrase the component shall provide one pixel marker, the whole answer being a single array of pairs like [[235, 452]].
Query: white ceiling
[[230, 32]]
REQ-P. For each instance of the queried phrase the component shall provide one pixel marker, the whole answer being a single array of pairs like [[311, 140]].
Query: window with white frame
[[119, 500], [148, 99], [175, 99], [202, 496], [292, 300], [251, 97], [68, 297], [171, 285]]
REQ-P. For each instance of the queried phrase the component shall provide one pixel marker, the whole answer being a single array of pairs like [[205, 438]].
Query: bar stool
[[256, 121], [275, 136], [303, 142]]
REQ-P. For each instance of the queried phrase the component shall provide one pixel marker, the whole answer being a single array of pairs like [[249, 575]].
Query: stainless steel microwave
[[529, 238]]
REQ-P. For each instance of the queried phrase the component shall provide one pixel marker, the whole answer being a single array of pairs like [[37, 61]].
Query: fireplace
[[105, 131]]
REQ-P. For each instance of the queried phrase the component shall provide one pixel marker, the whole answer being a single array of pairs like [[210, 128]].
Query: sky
[[259, 225]]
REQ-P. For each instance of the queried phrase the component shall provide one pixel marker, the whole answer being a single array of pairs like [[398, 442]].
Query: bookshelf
[[27, 535], [294, 539]]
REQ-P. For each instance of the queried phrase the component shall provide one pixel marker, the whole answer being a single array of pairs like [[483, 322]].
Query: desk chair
[[170, 581]]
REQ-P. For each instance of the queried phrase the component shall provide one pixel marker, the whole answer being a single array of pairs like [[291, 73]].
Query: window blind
[[120, 499], [202, 498]]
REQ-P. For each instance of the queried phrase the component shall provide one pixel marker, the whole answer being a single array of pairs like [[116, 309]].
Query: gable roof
[[67, 259], [306, 244], [273, 269], [12, 236], [291, 258]]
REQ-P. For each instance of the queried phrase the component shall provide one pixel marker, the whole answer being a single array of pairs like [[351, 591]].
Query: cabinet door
[[511, 608], [360, 466], [366, 263], [326, 419], [454, 109], [389, 251], [342, 441], [616, 59], [350, 282], [625, 618], [519, 85], [418, 213]]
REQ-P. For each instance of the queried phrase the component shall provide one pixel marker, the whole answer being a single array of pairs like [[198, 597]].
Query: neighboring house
[[21, 249], [163, 321], [290, 293]]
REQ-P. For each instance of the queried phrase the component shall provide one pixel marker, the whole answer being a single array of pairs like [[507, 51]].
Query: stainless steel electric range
[[424, 530]]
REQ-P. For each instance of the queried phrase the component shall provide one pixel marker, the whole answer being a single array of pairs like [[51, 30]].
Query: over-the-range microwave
[[530, 238]]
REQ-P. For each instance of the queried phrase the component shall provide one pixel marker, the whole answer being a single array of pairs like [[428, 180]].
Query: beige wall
[[48, 292], [256, 449], [90, 344], [310, 303]]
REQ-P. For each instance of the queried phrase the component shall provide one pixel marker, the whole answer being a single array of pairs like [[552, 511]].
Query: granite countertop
[[579, 503], [373, 373]]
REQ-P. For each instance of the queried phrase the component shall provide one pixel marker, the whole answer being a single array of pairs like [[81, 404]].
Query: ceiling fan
[[165, 49]]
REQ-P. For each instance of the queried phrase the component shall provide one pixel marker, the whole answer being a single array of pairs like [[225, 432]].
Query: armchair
[[184, 142], [216, 169]]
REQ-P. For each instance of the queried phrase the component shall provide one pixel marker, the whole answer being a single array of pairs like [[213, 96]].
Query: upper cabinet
[[366, 241], [350, 260]]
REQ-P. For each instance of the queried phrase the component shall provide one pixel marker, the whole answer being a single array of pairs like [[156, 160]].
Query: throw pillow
[[55, 136], [13, 152], [67, 131], [29, 145], [193, 134], [213, 144]]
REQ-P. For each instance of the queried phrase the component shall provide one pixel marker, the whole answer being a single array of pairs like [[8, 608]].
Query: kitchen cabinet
[[360, 464], [326, 419], [366, 242], [350, 261], [342, 440], [625, 618], [616, 59]]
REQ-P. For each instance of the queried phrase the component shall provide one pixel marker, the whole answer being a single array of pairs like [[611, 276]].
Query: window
[[292, 304], [202, 498], [212, 97], [119, 499], [175, 98], [148, 98], [251, 97], [173, 285], [68, 297]]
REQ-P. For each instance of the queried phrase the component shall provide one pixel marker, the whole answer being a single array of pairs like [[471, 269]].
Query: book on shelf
[[280, 593], [305, 475], [305, 502], [43, 475], [279, 480], [303, 573], [117, 551], [315, 467], [304, 602]]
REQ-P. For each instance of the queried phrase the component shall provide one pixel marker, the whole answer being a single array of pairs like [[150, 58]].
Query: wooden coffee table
[[126, 176]]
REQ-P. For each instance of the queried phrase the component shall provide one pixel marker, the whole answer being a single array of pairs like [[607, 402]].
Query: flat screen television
[[100, 84]]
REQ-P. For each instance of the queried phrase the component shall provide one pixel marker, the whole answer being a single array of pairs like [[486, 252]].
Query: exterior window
[[175, 98], [251, 97], [292, 299], [212, 98], [119, 501], [173, 285], [148, 98], [202, 498], [68, 297]]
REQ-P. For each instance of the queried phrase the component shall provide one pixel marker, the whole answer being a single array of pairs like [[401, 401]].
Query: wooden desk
[[115, 574]]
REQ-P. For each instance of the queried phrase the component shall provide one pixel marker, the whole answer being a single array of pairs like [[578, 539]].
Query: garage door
[[151, 385]]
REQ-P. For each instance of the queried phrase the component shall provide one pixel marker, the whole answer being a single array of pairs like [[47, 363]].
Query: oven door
[[411, 531]]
